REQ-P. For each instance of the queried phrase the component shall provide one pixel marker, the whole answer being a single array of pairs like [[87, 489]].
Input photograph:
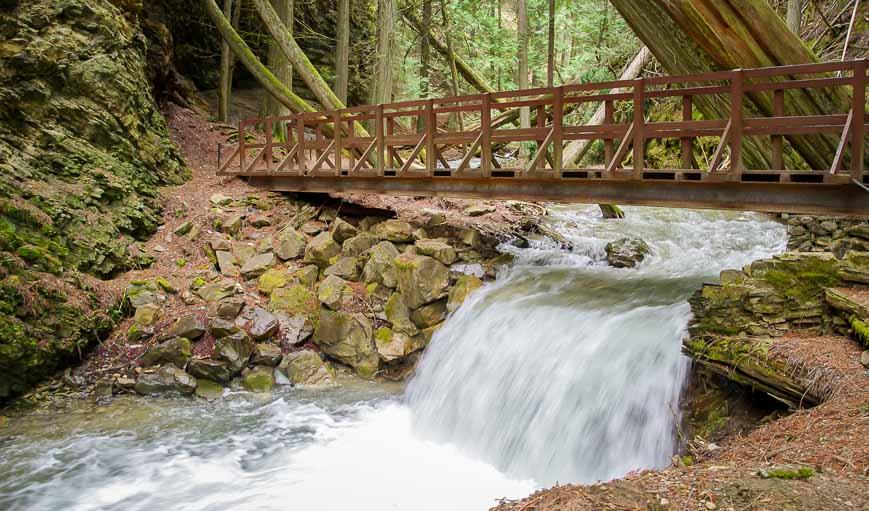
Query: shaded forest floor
[[740, 474]]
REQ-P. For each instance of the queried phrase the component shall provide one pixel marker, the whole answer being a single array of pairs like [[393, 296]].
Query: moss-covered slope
[[83, 149]]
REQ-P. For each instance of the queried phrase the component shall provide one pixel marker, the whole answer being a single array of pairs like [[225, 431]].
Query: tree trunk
[[576, 149], [256, 68], [550, 50], [224, 83], [795, 15], [281, 68], [454, 80], [424, 51], [710, 35], [386, 17], [522, 58], [342, 54]]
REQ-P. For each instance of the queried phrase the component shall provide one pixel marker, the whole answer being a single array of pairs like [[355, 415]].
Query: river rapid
[[563, 370]]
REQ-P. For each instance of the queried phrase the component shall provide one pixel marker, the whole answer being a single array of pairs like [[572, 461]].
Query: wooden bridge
[[406, 151]]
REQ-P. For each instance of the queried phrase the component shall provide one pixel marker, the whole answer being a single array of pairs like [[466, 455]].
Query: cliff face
[[83, 149]]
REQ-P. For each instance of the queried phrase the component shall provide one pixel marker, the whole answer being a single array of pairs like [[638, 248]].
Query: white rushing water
[[563, 370]]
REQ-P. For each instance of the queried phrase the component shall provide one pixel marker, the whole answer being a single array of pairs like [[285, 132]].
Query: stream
[[563, 370]]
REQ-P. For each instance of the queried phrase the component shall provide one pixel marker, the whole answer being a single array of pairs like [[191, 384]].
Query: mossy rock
[[259, 379], [294, 300]]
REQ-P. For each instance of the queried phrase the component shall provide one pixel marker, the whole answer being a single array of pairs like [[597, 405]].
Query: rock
[[137, 332], [357, 245], [348, 338], [421, 279], [103, 389], [220, 242], [234, 349], [855, 267], [228, 308], [321, 250], [229, 225], [394, 230], [859, 231], [465, 284], [222, 327], [472, 238], [294, 330], [183, 229], [208, 390], [313, 227], [143, 292], [290, 244], [307, 275], [437, 249], [380, 267], [266, 354], [273, 279], [226, 263], [165, 379], [243, 252], [219, 290], [174, 351], [260, 221], [393, 345], [165, 286], [305, 367], [294, 300], [346, 267], [189, 327], [208, 369], [398, 314], [264, 245], [333, 292], [626, 252], [258, 379], [257, 322], [147, 314], [219, 199], [342, 231], [429, 314], [435, 217], [479, 209], [257, 265]]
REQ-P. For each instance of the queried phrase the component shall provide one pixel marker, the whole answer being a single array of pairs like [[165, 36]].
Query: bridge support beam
[[821, 199]]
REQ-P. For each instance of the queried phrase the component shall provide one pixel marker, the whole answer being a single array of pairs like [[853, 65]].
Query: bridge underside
[[819, 199]]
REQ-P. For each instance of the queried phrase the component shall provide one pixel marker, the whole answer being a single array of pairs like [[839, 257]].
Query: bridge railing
[[415, 139]]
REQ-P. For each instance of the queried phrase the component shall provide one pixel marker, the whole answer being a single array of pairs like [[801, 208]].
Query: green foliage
[[802, 473]]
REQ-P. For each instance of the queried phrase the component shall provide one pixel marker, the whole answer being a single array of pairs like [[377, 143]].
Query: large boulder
[[290, 244], [441, 251], [346, 267], [164, 380], [226, 263], [321, 250], [464, 286], [258, 379], [294, 330], [398, 314], [626, 252], [190, 327], [273, 279], [429, 314], [357, 245], [174, 351], [218, 290], [305, 367], [394, 230], [333, 292], [342, 231], [380, 267], [855, 267], [348, 339], [257, 265], [295, 300], [257, 322], [421, 279], [235, 350], [266, 354], [214, 370], [143, 292], [393, 345]]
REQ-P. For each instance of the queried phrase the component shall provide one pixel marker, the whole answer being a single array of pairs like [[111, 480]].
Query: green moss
[[860, 328], [165, 285], [383, 335], [197, 283], [181, 262], [802, 473], [295, 300]]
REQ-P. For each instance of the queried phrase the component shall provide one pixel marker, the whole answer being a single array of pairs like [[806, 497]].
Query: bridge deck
[[331, 151]]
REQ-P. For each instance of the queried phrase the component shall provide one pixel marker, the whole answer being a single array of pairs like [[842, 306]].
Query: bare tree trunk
[[342, 54], [795, 15], [454, 79], [424, 51], [576, 149], [256, 68], [281, 68], [386, 18], [550, 50], [224, 85], [522, 58]]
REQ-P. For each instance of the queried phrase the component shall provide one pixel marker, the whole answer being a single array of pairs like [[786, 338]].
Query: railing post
[[378, 135], [639, 128], [687, 142], [778, 110], [736, 97], [557, 128], [486, 139], [242, 150], [609, 146], [267, 151], [337, 138], [858, 121], [300, 152], [431, 161]]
